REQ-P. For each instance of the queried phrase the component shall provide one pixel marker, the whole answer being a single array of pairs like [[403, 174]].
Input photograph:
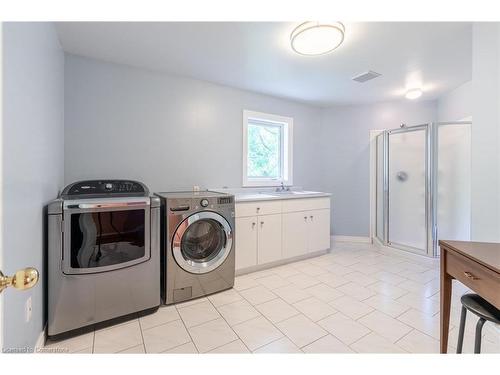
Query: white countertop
[[253, 195]]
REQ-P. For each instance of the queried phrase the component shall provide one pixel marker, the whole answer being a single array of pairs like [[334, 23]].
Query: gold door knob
[[22, 280]]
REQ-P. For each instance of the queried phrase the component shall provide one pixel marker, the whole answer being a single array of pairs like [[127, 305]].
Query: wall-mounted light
[[317, 38], [413, 93]]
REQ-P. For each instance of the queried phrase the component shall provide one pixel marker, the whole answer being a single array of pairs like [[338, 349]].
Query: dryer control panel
[[105, 188]]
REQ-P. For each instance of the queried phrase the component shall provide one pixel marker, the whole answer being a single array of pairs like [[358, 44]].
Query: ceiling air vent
[[363, 77]]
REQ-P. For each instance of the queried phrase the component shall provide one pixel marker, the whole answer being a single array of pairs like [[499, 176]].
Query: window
[[267, 149]]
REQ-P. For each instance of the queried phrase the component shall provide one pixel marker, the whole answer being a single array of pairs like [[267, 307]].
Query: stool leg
[[479, 329], [461, 330]]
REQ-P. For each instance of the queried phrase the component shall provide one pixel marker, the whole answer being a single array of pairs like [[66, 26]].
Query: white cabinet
[[294, 234], [269, 238], [246, 242], [305, 232], [269, 231], [318, 230], [258, 240]]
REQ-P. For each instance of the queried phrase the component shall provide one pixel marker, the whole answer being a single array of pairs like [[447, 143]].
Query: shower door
[[408, 182], [380, 190]]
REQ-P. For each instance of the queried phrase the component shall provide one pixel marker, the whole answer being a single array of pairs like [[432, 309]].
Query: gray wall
[[456, 104], [346, 156], [167, 131], [173, 133], [33, 105], [485, 137]]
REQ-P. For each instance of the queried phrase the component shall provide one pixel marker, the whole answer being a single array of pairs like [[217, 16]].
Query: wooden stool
[[484, 310]]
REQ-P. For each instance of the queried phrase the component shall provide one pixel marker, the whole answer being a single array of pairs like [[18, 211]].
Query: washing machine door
[[202, 242]]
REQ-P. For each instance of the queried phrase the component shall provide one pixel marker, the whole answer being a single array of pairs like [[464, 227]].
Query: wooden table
[[474, 264]]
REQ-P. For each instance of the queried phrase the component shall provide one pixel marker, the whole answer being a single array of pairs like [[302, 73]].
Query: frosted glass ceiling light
[[413, 93], [317, 38]]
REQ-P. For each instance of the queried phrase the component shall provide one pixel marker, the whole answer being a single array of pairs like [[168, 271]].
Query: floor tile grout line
[[413, 330], [227, 343], [166, 351], [319, 338], [187, 330], [230, 327], [270, 342], [191, 302], [288, 337], [227, 303], [381, 312], [142, 336], [366, 334], [199, 324], [246, 320], [349, 345], [275, 326], [262, 314], [129, 347], [327, 334], [119, 325], [397, 316], [161, 324]]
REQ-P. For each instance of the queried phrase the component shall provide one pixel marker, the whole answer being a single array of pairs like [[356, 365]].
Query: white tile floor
[[357, 298]]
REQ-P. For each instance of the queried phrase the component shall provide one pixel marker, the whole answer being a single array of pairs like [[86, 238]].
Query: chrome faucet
[[282, 187]]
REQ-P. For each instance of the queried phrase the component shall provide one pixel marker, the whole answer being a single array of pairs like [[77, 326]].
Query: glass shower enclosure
[[423, 186]]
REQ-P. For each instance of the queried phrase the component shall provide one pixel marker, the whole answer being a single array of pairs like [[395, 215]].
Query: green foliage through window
[[264, 150]]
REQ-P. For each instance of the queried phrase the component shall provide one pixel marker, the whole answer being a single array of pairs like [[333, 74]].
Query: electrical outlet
[[28, 310]]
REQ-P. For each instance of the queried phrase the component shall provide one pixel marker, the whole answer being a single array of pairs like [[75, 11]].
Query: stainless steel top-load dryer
[[103, 253], [198, 244]]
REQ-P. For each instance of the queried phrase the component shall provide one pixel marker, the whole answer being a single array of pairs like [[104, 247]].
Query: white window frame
[[286, 154]]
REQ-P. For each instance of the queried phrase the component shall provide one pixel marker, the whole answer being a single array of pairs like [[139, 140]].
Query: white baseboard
[[280, 262], [403, 253], [40, 342], [358, 239]]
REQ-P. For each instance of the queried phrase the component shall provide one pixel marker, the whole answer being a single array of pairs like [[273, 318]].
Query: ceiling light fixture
[[317, 38], [413, 93]]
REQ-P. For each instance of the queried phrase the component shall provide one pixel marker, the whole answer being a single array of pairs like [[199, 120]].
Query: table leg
[[445, 293]]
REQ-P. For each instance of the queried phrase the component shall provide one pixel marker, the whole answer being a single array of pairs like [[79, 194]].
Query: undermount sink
[[254, 196], [294, 192]]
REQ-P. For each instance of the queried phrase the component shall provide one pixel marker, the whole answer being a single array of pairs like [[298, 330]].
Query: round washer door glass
[[202, 242]]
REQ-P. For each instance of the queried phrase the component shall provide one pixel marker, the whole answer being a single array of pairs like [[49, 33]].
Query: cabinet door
[[246, 242], [294, 234], [269, 238], [318, 231]]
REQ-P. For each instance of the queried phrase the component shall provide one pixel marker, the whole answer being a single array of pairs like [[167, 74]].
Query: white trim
[[373, 181], [357, 239], [40, 342], [286, 124], [421, 258], [280, 262]]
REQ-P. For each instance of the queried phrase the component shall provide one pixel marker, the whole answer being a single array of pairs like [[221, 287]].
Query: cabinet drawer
[[478, 278], [257, 208], [306, 204]]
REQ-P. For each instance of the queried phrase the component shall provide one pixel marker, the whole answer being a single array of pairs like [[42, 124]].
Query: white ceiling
[[257, 56]]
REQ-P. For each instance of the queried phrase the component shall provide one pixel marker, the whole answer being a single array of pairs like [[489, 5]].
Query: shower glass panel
[[379, 201], [407, 178], [423, 193], [454, 181]]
